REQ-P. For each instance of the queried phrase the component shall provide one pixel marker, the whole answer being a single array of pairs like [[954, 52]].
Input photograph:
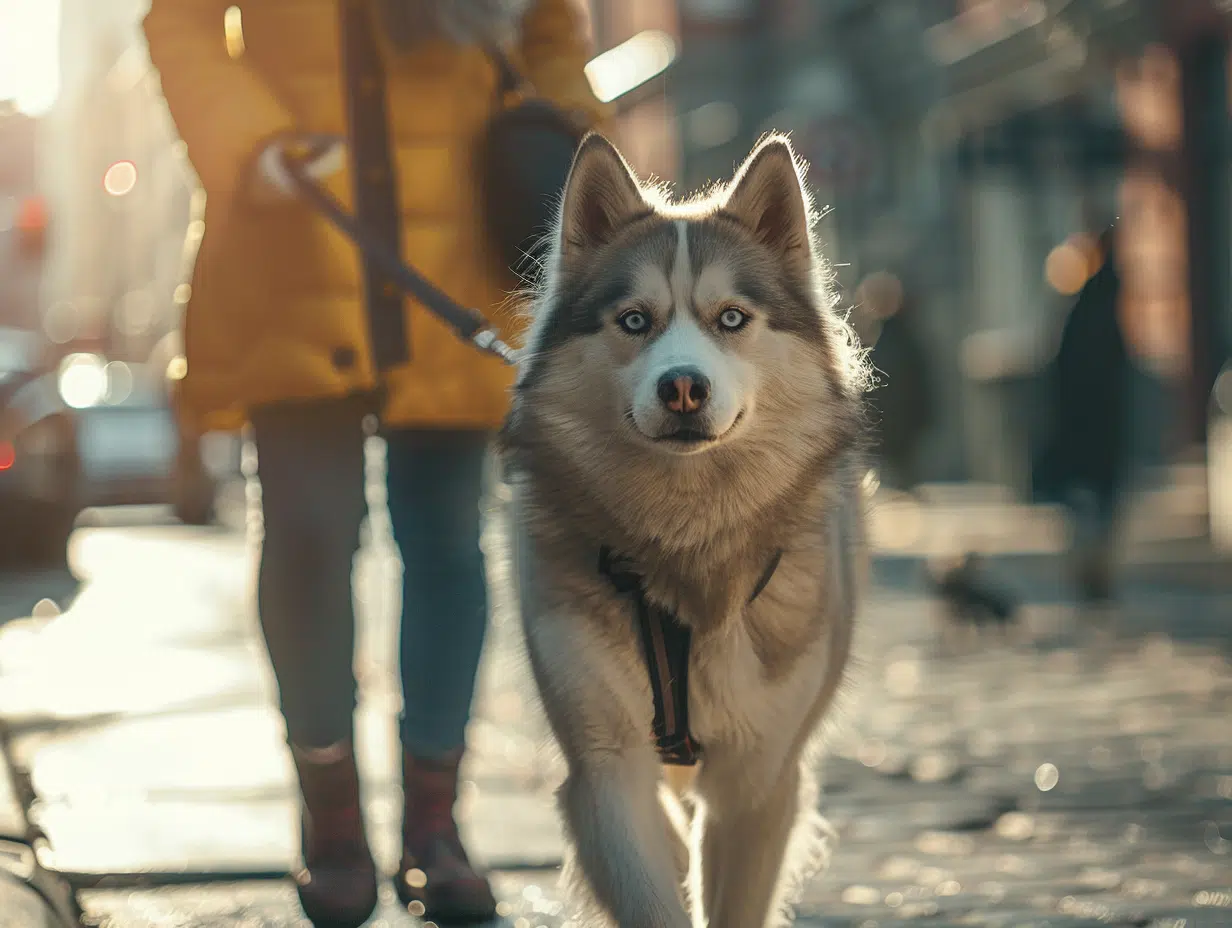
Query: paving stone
[[22, 907], [137, 835]]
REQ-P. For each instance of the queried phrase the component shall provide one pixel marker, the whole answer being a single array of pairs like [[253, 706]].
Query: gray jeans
[[311, 466]]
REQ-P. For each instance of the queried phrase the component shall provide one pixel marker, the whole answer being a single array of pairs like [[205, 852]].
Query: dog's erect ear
[[767, 197], [601, 196]]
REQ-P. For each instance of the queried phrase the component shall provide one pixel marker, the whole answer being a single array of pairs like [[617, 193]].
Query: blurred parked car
[[83, 431]]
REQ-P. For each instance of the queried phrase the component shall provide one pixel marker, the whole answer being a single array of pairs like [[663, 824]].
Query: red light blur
[[8, 455], [32, 215]]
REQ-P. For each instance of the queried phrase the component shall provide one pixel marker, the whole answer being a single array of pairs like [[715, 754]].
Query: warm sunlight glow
[[30, 54], [630, 64]]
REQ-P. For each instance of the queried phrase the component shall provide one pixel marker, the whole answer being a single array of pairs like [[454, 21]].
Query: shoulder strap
[[375, 181], [510, 78]]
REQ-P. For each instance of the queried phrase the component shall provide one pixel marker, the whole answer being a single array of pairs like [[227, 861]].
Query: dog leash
[[468, 324]]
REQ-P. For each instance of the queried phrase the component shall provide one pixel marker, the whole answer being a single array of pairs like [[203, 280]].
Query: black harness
[[665, 647]]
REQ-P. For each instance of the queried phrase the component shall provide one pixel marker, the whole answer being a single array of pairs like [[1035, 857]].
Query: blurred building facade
[[22, 235], [966, 146], [121, 193]]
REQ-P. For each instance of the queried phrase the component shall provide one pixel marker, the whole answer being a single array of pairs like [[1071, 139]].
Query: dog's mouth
[[693, 437], [687, 436]]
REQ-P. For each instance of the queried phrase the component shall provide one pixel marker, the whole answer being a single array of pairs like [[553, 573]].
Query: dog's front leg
[[745, 832], [610, 800], [622, 840]]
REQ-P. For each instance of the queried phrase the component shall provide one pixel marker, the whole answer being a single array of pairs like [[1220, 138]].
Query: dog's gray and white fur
[[730, 289]]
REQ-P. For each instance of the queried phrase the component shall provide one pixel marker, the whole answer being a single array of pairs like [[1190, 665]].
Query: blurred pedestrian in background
[[277, 334], [1085, 462], [902, 404], [903, 411]]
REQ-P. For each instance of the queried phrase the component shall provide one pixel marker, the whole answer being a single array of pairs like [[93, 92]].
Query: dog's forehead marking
[[692, 275], [682, 270]]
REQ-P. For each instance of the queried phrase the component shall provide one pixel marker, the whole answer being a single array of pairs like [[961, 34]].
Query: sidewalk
[[1163, 540], [1089, 784]]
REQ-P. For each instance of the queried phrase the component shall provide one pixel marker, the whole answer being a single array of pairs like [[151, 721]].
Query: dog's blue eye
[[635, 322], [732, 319]]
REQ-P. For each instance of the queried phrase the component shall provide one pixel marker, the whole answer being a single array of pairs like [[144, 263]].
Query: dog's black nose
[[684, 389]]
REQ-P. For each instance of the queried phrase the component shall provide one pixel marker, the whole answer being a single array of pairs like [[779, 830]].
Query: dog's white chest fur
[[732, 704]]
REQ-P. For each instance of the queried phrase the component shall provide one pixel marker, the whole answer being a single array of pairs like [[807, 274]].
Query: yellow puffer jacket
[[276, 310]]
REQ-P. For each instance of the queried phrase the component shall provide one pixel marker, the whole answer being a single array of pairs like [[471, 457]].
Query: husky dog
[[688, 534]]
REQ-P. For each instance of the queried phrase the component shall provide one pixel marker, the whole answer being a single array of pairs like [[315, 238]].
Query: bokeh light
[[120, 178], [618, 70], [83, 380], [1071, 264]]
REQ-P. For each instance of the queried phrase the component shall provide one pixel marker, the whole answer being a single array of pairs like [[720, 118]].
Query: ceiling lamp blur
[[120, 178], [630, 64]]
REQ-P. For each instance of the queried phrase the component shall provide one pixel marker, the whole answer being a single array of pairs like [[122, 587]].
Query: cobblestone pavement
[[1060, 780]]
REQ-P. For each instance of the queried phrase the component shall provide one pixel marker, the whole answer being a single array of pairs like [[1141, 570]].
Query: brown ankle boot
[[337, 884], [435, 872]]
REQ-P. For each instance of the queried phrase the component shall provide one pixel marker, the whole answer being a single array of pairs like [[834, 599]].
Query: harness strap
[[665, 649]]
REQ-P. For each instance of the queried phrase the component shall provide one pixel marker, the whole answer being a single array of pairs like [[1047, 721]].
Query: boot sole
[[449, 914], [336, 920], [332, 921]]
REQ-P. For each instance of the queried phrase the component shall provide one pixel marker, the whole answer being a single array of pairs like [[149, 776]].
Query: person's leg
[[1091, 547], [1107, 520], [310, 460], [435, 482]]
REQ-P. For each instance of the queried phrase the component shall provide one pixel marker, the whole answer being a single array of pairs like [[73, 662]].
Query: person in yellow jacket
[[278, 334]]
